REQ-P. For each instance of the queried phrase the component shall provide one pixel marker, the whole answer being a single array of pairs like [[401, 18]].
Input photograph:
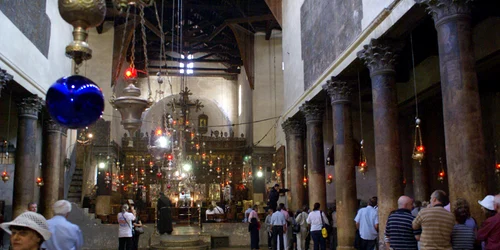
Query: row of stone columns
[[465, 152], [26, 162]]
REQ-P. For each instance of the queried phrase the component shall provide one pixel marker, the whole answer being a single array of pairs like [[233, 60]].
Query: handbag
[[296, 228], [324, 228], [138, 230]]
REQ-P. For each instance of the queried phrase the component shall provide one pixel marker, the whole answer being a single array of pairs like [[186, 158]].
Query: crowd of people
[[414, 225], [31, 231]]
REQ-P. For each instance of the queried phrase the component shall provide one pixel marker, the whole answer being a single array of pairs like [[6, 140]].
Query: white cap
[[30, 220], [487, 202], [61, 207]]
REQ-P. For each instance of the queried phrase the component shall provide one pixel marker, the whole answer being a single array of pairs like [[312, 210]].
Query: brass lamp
[[418, 146], [82, 15]]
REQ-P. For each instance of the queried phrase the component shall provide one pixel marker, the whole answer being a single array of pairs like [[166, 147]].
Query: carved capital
[[312, 111], [30, 106], [4, 78], [293, 126], [52, 126], [340, 91], [64, 131], [380, 56], [442, 9]]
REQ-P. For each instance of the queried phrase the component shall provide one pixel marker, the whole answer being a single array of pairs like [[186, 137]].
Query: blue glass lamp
[[75, 101]]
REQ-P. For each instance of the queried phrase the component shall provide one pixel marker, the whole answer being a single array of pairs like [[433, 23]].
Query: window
[[186, 68]]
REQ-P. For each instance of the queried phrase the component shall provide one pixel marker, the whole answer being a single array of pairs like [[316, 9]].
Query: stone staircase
[[75, 187], [180, 242]]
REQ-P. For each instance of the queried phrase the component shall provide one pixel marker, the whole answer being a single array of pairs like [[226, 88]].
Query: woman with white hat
[[27, 231]]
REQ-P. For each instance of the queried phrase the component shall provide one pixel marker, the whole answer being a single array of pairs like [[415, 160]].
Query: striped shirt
[[400, 232], [436, 224], [462, 237]]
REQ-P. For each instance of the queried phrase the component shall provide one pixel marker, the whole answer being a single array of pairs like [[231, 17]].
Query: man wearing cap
[[27, 231], [490, 230], [65, 235], [274, 195]]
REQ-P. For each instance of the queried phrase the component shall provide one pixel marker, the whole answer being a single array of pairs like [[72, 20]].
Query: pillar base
[[345, 247]]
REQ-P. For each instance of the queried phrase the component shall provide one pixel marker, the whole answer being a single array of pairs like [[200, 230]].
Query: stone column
[[461, 105], [26, 163], [380, 58], [52, 168], [315, 154], [345, 173], [64, 165], [4, 78], [294, 131]]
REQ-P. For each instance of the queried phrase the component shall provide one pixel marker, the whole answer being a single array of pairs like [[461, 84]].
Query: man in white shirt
[[278, 223], [367, 224], [65, 235], [125, 220]]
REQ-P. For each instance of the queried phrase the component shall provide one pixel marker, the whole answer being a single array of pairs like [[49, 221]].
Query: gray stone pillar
[[294, 131], [26, 163], [380, 59], [461, 105], [345, 173], [52, 168], [315, 154], [4, 78], [64, 165]]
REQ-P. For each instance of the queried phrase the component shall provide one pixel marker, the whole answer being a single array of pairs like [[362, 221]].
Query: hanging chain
[[117, 74], [360, 108], [76, 68], [414, 75], [132, 50], [144, 44], [162, 35]]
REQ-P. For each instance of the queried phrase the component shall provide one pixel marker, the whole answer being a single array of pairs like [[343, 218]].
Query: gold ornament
[[82, 15]]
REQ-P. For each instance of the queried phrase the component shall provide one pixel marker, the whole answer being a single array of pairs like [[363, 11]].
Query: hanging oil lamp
[[441, 173], [497, 164], [39, 181], [418, 146], [304, 181], [362, 165], [329, 180], [5, 176]]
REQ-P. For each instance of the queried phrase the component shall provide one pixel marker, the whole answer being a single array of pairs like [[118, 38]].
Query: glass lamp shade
[[75, 101]]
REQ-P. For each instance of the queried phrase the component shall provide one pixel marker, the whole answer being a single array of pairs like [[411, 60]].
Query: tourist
[[292, 235], [65, 235], [253, 213], [210, 211], [279, 227], [367, 224], [287, 218], [436, 223], [417, 206], [218, 210], [268, 228], [274, 196], [490, 230], [301, 220], [462, 236], [333, 235], [138, 229], [247, 213], [254, 228], [316, 219], [27, 231], [399, 232], [33, 207], [125, 219]]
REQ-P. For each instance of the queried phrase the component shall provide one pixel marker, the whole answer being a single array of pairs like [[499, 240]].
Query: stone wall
[[268, 92], [33, 42], [328, 28]]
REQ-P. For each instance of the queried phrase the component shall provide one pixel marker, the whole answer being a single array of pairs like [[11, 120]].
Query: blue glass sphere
[[75, 101]]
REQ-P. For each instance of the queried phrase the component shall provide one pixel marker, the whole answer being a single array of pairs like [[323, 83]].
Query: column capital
[[312, 111], [4, 78], [293, 126], [53, 127], [339, 90], [380, 56], [30, 106], [443, 9]]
